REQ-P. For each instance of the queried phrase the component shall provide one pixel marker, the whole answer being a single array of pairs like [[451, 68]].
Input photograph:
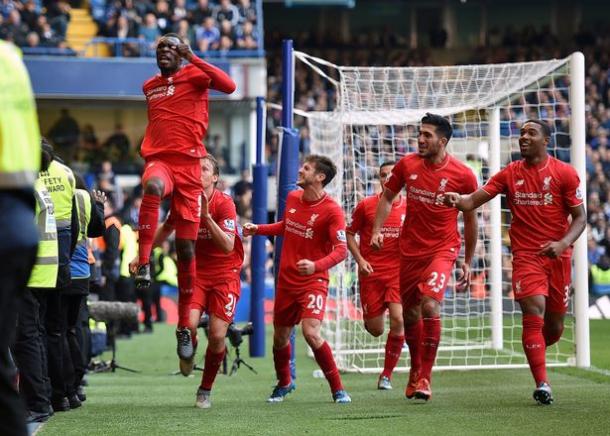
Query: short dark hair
[[323, 165], [387, 163], [442, 124], [546, 129]]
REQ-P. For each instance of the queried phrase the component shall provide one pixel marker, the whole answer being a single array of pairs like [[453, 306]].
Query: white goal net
[[376, 119]]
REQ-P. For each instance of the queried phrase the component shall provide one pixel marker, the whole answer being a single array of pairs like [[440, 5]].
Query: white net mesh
[[376, 119]]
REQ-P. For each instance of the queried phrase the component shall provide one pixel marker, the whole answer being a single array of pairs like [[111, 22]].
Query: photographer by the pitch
[[219, 255]]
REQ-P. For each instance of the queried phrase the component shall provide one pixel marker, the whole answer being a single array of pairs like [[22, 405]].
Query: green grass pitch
[[464, 402]]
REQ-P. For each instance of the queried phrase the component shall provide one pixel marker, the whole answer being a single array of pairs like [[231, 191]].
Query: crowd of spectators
[[35, 23], [206, 25]]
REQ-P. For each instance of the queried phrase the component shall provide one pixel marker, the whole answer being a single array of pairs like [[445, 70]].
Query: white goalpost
[[377, 114]]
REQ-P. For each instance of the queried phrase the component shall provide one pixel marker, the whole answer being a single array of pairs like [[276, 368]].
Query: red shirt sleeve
[[226, 216], [275, 229], [357, 219], [216, 78], [570, 187], [397, 179], [498, 183], [336, 234]]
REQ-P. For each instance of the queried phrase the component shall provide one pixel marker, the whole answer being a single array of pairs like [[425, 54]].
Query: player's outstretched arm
[[466, 202], [384, 207], [274, 229], [220, 80], [364, 267], [554, 249]]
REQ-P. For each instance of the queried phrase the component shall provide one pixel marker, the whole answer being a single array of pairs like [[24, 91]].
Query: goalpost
[[377, 114]]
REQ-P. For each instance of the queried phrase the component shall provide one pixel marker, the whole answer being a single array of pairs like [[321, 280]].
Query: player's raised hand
[[306, 267], [463, 281], [365, 268], [184, 50], [377, 241], [450, 199], [552, 249], [205, 205], [250, 229], [98, 196]]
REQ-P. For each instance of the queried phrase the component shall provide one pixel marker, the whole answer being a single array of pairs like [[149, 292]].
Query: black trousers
[[54, 325], [74, 366], [18, 249], [145, 295], [29, 350]]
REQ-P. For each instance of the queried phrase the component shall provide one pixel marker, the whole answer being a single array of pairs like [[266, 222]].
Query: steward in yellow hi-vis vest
[[44, 273], [19, 166]]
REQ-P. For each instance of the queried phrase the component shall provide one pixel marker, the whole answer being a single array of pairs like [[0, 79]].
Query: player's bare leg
[[431, 335], [324, 356], [147, 225], [413, 326], [186, 343], [214, 356], [396, 338], [281, 360], [534, 345]]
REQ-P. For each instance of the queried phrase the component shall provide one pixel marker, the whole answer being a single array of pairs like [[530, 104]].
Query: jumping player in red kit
[[177, 101], [313, 227], [542, 194], [378, 273], [429, 241]]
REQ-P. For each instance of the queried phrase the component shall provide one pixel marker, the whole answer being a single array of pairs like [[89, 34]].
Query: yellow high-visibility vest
[[19, 131], [44, 273], [130, 248], [59, 180]]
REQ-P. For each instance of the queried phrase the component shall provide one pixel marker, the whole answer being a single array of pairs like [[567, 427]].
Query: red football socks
[[281, 360], [186, 283], [326, 361], [551, 337], [413, 338], [393, 348], [534, 346], [147, 226], [212, 363], [431, 336]]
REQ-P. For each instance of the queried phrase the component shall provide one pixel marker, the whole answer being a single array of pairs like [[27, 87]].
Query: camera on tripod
[[236, 337]]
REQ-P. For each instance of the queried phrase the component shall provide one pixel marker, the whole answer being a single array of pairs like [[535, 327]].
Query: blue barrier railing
[[143, 48]]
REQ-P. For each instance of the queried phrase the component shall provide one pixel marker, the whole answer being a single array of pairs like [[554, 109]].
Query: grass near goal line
[[464, 402]]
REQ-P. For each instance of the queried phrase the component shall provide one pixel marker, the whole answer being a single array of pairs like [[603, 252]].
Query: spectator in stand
[[246, 37], [200, 13], [65, 134], [15, 29], [184, 30], [29, 14], [179, 12], [227, 29], [117, 145], [247, 11], [227, 11], [164, 19], [32, 40], [207, 36], [149, 31], [58, 14]]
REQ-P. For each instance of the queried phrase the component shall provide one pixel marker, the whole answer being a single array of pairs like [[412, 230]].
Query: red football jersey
[[212, 262], [178, 109], [539, 198], [385, 262], [430, 226], [311, 230]]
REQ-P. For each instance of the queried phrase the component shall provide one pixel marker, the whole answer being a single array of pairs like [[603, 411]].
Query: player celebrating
[[314, 241], [541, 193], [219, 256], [429, 241], [177, 100], [378, 273]]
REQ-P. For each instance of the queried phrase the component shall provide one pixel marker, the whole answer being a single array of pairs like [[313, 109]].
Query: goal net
[[376, 119]]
